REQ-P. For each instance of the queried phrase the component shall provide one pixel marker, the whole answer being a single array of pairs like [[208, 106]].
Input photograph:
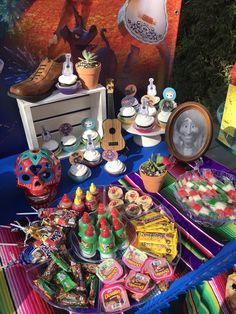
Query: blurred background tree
[[206, 51]]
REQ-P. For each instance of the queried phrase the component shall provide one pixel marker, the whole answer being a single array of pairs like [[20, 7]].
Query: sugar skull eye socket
[[46, 176], [25, 178], [21, 168]]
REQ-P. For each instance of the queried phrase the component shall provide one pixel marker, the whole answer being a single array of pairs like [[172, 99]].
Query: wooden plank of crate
[[27, 120], [53, 123], [77, 131], [58, 108]]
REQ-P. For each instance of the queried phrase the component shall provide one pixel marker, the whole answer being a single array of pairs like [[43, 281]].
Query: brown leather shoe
[[41, 83]]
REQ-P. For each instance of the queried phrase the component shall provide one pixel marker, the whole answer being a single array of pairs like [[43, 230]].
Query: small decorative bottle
[[88, 243], [65, 202], [84, 221], [90, 202], [78, 204], [106, 243], [121, 237]]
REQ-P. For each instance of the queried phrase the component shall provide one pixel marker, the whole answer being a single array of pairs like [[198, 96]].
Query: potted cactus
[[153, 172], [88, 69]]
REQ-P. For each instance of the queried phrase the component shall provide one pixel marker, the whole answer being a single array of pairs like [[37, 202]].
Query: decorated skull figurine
[[38, 172]]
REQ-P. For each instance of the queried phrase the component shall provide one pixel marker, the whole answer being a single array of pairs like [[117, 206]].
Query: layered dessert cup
[[68, 84], [144, 123], [69, 143], [94, 136], [163, 117], [115, 167], [127, 115], [53, 146], [79, 172], [92, 158]]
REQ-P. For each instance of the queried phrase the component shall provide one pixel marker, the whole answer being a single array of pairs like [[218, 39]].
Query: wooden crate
[[59, 108]]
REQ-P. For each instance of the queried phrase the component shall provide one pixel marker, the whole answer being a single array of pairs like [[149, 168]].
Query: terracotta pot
[[152, 184], [89, 76]]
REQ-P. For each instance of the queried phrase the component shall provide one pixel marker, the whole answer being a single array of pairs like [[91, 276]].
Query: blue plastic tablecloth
[[12, 199]]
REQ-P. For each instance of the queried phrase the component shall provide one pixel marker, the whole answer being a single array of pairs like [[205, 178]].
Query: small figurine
[[167, 105], [67, 82], [68, 140], [151, 89], [49, 143], [113, 166]]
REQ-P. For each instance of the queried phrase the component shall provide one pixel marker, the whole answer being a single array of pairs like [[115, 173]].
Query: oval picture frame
[[189, 131]]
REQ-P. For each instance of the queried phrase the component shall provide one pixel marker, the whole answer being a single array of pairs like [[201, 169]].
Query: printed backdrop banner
[[136, 40]]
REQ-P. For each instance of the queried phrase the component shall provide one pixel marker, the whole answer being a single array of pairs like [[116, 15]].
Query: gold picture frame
[[189, 131]]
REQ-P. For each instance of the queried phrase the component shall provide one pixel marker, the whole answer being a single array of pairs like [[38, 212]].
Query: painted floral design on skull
[[38, 173]]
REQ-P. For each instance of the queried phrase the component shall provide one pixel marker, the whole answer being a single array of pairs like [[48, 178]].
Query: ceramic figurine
[[38, 173], [67, 82], [151, 89], [49, 143], [113, 166], [69, 142], [88, 125], [167, 105]]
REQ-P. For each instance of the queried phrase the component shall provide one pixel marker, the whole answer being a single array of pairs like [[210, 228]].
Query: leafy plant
[[153, 166], [88, 60]]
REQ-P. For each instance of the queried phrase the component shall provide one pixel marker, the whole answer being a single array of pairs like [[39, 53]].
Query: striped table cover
[[198, 245]]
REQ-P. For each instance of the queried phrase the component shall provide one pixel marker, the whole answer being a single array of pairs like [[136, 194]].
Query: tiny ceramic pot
[[89, 77], [152, 184]]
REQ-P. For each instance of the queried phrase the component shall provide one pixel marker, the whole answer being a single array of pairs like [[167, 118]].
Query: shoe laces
[[39, 71]]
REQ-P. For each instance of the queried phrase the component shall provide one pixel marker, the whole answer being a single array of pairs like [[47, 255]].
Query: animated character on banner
[[79, 39], [146, 24]]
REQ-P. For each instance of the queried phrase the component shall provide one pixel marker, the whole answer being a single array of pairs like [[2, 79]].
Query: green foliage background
[[206, 51]]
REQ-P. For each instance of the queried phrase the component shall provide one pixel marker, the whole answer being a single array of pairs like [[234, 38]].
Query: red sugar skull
[[38, 172]]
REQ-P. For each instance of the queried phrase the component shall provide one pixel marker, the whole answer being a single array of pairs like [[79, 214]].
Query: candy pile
[[49, 233], [103, 231], [131, 202], [67, 283], [206, 196], [156, 235], [135, 277]]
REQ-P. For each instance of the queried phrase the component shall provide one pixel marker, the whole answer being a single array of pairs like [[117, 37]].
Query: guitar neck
[[110, 106]]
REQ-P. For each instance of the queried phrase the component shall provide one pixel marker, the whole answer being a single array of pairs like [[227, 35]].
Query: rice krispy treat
[[131, 196], [145, 201], [115, 192]]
